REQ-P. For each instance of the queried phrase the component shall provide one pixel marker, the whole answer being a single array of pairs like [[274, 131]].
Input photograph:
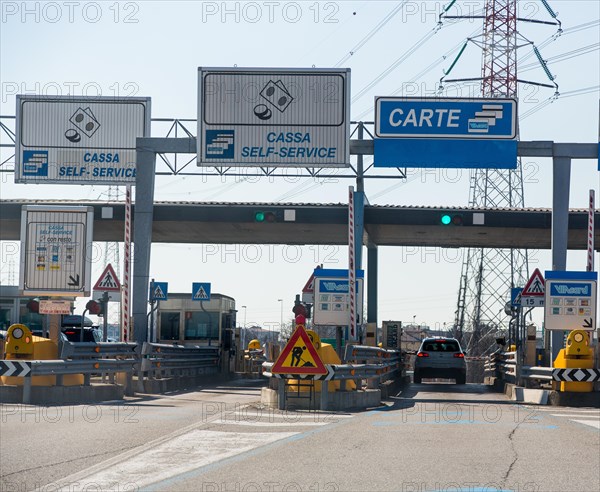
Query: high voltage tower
[[488, 274]]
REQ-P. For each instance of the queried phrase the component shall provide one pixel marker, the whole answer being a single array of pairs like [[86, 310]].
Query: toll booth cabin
[[185, 321], [13, 310]]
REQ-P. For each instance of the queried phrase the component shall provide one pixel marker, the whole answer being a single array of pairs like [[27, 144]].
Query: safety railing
[[162, 360], [253, 360], [60, 368], [502, 365], [372, 364], [102, 351], [86, 350]]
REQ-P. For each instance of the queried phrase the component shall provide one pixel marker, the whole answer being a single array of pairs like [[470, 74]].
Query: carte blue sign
[[445, 118], [445, 133]]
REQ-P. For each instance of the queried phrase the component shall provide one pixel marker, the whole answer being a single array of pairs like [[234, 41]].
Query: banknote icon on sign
[[276, 94]]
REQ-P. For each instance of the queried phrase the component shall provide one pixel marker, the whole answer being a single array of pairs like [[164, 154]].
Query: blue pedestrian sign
[[201, 291], [445, 133], [515, 296], [159, 291]]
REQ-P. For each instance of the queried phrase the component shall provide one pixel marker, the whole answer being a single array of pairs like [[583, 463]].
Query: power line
[[371, 33]]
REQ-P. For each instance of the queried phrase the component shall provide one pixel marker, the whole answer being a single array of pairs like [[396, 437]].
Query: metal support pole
[[142, 238], [27, 390], [324, 395], [561, 183], [104, 301], [372, 257], [281, 394], [54, 327]]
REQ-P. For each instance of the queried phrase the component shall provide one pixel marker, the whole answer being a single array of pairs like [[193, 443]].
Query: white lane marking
[[568, 410], [179, 455], [572, 415], [288, 417], [268, 424], [591, 423]]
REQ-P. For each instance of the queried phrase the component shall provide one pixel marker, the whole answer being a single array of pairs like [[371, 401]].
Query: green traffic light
[[259, 216], [446, 219]]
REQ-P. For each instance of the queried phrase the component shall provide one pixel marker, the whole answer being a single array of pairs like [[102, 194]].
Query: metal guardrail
[[162, 360], [502, 365], [252, 361], [387, 363], [60, 368], [72, 350]]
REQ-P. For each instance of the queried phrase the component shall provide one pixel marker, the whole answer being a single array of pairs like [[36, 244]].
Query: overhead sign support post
[[445, 133], [273, 117]]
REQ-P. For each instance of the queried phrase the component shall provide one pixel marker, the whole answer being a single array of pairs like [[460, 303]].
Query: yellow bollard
[[22, 345], [577, 354]]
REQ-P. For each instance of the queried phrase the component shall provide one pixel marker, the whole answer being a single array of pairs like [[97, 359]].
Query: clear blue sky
[[154, 49]]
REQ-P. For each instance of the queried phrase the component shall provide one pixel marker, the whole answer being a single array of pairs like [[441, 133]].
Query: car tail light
[[460, 355], [69, 333], [422, 354]]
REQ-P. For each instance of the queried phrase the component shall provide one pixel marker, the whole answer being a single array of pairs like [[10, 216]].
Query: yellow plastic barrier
[[577, 354], [22, 345]]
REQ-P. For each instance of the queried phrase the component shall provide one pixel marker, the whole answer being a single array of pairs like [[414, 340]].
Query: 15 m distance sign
[[283, 117]]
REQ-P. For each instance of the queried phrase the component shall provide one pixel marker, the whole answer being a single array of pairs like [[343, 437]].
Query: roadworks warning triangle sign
[[535, 286], [108, 281], [299, 356], [309, 287]]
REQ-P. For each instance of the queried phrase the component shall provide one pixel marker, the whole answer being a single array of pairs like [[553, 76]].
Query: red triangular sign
[[309, 288], [299, 356], [108, 281], [535, 286]]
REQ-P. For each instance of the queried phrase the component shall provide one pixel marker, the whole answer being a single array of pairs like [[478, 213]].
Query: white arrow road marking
[[179, 455]]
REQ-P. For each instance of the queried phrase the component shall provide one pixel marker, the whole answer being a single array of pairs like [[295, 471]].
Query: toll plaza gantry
[[148, 148]]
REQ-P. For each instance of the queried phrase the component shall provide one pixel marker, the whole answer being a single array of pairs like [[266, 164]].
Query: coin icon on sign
[[73, 136], [263, 112]]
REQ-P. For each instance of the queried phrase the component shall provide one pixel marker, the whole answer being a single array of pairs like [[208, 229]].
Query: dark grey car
[[440, 358]]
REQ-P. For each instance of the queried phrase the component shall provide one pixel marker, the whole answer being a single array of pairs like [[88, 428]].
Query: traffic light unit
[[267, 216], [97, 308], [451, 218]]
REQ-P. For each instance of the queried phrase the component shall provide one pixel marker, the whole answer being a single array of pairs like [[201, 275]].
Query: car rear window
[[449, 346]]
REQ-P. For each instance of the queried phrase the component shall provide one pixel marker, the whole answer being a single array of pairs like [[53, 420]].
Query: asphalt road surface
[[430, 437]]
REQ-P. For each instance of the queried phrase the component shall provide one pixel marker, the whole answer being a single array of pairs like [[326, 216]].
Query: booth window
[[33, 321], [169, 325], [201, 325]]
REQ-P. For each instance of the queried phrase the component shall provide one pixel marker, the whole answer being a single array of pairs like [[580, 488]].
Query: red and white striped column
[[126, 284], [351, 265], [590, 241]]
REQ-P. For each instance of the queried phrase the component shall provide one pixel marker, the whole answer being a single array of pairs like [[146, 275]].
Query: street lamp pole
[[281, 319], [244, 329]]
